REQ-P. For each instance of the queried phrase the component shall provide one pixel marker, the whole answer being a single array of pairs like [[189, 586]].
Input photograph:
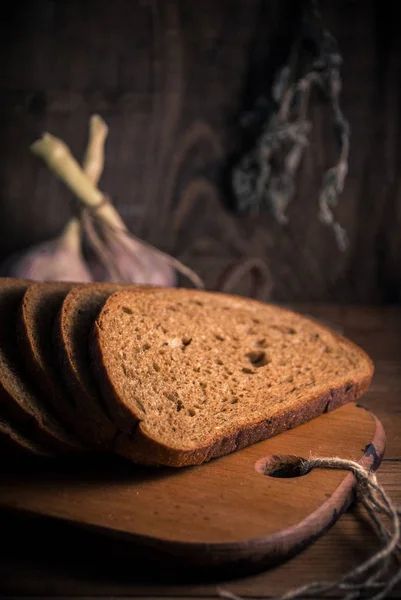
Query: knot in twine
[[371, 579]]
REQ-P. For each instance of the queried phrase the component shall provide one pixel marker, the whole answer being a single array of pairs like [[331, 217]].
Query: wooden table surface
[[58, 571]]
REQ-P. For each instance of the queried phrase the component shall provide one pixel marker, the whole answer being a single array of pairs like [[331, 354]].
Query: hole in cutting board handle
[[283, 467]]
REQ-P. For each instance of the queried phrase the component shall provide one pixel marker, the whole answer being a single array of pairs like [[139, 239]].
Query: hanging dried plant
[[266, 174]]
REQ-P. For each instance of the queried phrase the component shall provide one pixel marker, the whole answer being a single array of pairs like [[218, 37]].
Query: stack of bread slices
[[160, 376]]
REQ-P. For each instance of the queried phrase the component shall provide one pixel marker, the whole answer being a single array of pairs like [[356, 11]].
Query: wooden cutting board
[[242, 511]]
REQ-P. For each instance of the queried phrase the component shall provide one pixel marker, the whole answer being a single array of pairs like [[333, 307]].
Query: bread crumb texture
[[195, 366]]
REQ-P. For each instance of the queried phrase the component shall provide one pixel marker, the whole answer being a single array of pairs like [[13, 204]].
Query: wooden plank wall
[[171, 77]]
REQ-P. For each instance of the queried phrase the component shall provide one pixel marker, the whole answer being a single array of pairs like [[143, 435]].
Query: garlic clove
[[125, 258], [58, 259], [138, 264]]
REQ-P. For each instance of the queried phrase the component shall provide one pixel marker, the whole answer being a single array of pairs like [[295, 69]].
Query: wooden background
[[171, 78]]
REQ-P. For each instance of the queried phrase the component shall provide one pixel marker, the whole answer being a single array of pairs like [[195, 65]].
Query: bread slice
[[191, 375], [19, 404], [13, 444], [38, 311], [71, 331]]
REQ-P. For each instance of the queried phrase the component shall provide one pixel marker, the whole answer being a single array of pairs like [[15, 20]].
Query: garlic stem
[[57, 156], [60, 161], [94, 157], [71, 234]]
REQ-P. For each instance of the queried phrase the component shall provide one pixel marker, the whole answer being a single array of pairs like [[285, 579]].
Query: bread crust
[[36, 360], [16, 445], [143, 449], [137, 444], [18, 402], [91, 420]]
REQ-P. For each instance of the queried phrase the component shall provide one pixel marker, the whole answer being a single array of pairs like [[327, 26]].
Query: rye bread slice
[[73, 324], [19, 405], [14, 444], [38, 311], [191, 375]]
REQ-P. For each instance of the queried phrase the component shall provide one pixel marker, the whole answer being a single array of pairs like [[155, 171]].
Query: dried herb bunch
[[265, 175]]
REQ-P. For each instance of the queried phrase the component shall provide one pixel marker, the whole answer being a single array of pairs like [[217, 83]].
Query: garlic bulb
[[120, 255], [117, 255], [58, 259]]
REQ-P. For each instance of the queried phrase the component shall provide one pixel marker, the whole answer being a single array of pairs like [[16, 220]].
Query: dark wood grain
[[24, 570], [171, 78]]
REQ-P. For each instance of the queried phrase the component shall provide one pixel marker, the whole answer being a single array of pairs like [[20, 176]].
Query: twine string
[[370, 579]]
